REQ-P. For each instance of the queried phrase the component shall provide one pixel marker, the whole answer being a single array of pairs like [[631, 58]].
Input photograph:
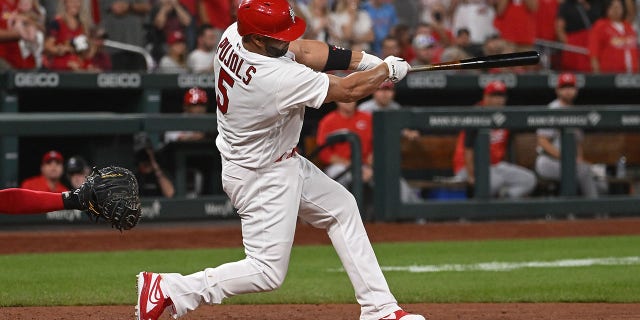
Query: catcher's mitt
[[111, 193]]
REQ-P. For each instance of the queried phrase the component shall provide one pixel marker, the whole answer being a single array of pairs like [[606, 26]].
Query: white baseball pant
[[269, 200]]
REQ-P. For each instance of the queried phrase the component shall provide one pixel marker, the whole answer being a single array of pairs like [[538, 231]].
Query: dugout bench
[[387, 164], [427, 161]]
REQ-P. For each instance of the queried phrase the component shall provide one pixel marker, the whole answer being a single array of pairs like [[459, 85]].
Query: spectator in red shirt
[[515, 20], [218, 13], [613, 44], [51, 171], [67, 39], [545, 18], [506, 179], [21, 33], [573, 22]]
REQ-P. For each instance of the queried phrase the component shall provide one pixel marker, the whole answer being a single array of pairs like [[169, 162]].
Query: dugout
[[135, 95]]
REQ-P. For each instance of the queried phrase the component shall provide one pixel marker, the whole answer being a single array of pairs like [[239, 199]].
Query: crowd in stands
[[181, 35]]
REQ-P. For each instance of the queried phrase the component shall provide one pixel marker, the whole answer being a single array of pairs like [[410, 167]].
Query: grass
[[108, 278]]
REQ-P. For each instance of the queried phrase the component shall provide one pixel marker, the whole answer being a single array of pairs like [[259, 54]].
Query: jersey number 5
[[225, 81]]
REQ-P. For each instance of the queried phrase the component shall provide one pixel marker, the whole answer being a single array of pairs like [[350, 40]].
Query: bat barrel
[[486, 62], [502, 60]]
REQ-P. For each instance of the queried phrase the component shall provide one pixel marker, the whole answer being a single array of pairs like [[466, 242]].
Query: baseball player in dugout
[[51, 172], [266, 77], [548, 160], [506, 179]]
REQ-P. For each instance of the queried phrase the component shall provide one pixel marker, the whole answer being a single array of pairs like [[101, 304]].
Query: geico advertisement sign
[[119, 80], [37, 80], [627, 81], [196, 80], [421, 80]]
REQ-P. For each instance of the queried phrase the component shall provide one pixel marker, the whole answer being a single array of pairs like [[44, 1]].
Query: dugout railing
[[387, 160]]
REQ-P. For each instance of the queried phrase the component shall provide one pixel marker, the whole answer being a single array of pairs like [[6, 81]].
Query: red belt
[[286, 155]]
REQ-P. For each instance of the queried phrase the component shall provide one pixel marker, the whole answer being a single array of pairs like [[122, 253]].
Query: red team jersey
[[63, 34], [546, 19], [517, 24], [39, 183], [214, 8], [616, 50], [498, 139], [359, 124]]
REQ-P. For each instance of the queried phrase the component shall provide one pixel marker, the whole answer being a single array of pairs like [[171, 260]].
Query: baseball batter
[[265, 78]]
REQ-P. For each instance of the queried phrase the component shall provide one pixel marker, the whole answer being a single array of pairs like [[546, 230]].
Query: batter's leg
[[267, 201], [326, 204]]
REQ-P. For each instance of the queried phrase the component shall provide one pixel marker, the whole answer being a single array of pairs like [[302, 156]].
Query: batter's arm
[[356, 85], [313, 54]]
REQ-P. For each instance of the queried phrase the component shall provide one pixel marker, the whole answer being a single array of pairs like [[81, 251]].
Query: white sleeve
[[301, 86]]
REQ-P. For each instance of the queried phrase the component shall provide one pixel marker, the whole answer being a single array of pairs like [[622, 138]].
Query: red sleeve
[[23, 201]]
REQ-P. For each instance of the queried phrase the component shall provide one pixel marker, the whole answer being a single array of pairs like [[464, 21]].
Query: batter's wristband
[[337, 59]]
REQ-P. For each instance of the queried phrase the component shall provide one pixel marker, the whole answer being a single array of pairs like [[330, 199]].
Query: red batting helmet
[[195, 96], [271, 18]]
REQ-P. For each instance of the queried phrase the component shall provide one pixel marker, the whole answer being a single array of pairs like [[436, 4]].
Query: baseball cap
[[387, 85], [175, 36], [195, 96], [76, 164], [495, 87], [52, 155], [422, 41], [566, 80]]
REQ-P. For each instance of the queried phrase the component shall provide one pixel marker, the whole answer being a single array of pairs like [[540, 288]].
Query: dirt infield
[[209, 235]]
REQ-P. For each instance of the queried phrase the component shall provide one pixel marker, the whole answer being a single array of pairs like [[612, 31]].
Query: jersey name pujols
[[231, 60]]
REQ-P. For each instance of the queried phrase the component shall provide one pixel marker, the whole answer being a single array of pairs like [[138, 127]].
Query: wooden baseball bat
[[491, 61]]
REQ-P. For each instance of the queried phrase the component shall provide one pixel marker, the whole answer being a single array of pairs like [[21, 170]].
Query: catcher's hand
[[111, 193]]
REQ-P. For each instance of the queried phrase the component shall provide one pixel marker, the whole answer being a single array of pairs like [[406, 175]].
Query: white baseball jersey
[[261, 102]]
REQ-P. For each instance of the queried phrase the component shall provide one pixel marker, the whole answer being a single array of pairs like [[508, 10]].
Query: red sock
[[24, 201]]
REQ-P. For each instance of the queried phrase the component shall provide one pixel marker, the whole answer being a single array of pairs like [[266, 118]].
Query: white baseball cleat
[[151, 300], [403, 315]]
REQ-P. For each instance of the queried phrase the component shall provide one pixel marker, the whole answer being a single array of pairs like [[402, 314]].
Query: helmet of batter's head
[[271, 18], [195, 96]]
